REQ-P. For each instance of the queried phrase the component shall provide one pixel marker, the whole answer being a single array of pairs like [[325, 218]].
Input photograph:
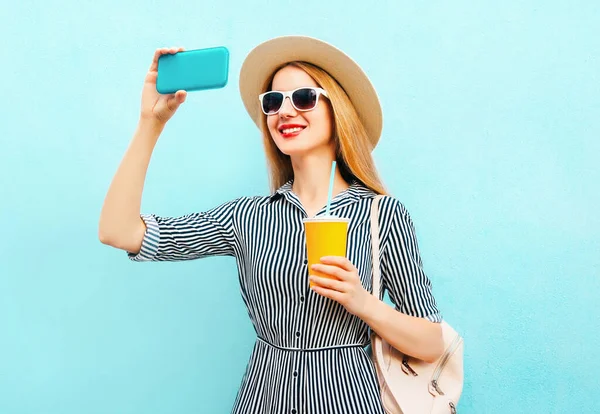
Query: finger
[[151, 76], [328, 293], [173, 103], [339, 261], [180, 96], [334, 271], [154, 64], [325, 282], [157, 54]]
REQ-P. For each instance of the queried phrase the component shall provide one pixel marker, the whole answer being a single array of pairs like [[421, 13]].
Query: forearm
[[120, 223], [417, 337]]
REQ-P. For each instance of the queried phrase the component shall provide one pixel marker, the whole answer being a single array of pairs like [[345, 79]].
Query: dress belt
[[325, 348]]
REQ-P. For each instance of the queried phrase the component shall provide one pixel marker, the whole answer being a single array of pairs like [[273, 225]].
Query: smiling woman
[[314, 106], [337, 119]]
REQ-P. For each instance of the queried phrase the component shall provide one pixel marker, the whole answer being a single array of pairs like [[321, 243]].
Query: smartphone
[[193, 70]]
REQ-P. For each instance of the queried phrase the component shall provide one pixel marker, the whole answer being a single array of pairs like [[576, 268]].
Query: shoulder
[[394, 219], [249, 204], [391, 208]]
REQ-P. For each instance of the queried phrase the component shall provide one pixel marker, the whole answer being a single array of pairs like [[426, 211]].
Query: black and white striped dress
[[309, 356]]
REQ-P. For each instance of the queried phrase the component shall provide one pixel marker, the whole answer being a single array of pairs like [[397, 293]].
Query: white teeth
[[291, 130]]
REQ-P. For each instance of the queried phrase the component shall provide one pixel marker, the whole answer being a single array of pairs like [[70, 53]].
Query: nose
[[287, 109]]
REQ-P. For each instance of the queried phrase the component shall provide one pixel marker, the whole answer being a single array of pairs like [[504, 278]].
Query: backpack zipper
[[443, 362], [408, 367]]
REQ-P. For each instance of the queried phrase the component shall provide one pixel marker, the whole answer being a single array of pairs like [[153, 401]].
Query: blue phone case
[[193, 70]]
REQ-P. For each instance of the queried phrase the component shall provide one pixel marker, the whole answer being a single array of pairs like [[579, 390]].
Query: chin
[[293, 152], [293, 148]]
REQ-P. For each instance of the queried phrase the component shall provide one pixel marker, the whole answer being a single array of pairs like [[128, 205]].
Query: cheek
[[323, 123], [329, 124], [272, 124]]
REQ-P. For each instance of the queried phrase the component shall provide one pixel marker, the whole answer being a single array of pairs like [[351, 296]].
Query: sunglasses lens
[[305, 98], [272, 102]]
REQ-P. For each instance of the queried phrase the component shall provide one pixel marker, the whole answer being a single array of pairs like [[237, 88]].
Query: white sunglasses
[[302, 99]]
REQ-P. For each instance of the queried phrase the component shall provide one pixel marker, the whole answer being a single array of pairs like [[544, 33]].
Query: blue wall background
[[491, 139]]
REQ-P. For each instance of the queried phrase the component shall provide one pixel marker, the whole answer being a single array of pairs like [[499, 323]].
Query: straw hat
[[262, 61]]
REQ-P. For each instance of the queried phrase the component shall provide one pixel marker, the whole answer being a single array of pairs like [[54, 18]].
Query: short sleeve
[[408, 286], [188, 237]]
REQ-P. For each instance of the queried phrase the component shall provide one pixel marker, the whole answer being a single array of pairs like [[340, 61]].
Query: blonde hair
[[352, 144]]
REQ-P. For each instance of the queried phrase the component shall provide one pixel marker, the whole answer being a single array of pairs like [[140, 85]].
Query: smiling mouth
[[292, 131]]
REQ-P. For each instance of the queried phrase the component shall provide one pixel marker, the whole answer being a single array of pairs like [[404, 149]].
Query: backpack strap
[[376, 282]]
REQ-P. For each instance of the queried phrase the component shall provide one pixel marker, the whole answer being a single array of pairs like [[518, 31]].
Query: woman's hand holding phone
[[157, 107]]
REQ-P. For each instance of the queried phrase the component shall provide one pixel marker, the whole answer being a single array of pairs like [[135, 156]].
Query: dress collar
[[355, 192]]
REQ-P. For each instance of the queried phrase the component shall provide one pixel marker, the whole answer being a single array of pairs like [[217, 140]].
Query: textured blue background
[[491, 139]]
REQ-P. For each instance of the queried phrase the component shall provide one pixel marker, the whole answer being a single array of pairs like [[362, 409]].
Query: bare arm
[[120, 223], [416, 337]]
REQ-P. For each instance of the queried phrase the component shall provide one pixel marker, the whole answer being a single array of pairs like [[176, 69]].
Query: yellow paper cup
[[325, 236]]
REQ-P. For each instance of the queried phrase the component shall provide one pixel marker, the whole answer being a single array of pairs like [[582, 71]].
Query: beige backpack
[[409, 385]]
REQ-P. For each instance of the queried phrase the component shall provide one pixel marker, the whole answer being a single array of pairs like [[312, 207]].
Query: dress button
[[305, 261], [298, 334], [293, 411], [295, 373], [301, 298]]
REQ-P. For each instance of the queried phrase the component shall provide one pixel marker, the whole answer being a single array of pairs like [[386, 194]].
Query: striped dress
[[309, 356]]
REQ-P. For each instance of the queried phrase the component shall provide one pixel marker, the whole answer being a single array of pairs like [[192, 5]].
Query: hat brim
[[265, 58]]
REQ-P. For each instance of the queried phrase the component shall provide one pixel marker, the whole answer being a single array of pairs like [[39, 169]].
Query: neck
[[311, 178]]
